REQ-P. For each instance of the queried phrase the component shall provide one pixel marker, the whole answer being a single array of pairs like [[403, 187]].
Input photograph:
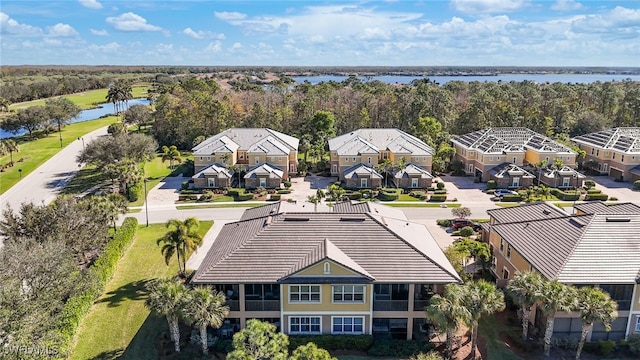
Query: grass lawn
[[490, 330], [507, 204], [407, 197], [423, 205], [85, 100], [217, 206], [36, 152], [118, 322]]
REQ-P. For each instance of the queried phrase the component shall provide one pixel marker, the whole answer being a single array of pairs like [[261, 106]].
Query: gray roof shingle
[[526, 212], [243, 139], [497, 140], [376, 140], [625, 139], [600, 207]]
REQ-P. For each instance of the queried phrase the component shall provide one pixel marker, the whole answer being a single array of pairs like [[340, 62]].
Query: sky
[[321, 33]]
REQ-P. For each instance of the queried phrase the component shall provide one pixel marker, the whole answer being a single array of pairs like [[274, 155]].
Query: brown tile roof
[[599, 207], [271, 248], [527, 212]]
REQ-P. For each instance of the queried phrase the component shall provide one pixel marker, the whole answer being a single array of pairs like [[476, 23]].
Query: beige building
[[599, 246], [360, 151], [490, 150], [356, 268], [614, 152], [256, 150]]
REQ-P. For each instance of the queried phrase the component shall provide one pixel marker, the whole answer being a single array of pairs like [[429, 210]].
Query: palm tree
[[205, 307], [447, 312], [171, 154], [594, 305], [480, 297], [166, 297], [181, 239], [523, 288], [383, 167], [10, 146], [237, 169], [554, 297]]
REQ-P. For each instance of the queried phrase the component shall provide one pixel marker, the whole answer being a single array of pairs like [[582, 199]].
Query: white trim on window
[[305, 294], [505, 273], [348, 293], [637, 324], [353, 325], [305, 325]]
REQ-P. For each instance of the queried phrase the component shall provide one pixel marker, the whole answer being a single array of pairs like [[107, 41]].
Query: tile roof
[[412, 169], [264, 169], [271, 248], [600, 207], [625, 139], [243, 139], [269, 145], [359, 170], [526, 212], [214, 169], [509, 169], [376, 140], [564, 171], [500, 139]]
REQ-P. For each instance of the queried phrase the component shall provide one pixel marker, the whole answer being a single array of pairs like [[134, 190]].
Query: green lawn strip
[[423, 205], [507, 204], [407, 197], [116, 320], [218, 206], [84, 100], [36, 152], [87, 178], [490, 330]]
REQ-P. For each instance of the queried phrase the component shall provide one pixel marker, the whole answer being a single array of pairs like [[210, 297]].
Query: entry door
[[211, 182], [414, 183], [515, 182], [566, 182], [363, 183], [263, 182]]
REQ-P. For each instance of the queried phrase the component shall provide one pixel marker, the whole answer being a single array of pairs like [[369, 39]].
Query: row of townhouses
[[509, 156]]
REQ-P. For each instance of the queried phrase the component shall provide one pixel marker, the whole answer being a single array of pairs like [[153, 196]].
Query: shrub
[[633, 342], [275, 197], [602, 197], [467, 231], [399, 348], [606, 347], [511, 198], [440, 185], [444, 222], [440, 191], [491, 191], [636, 184], [438, 198], [356, 195], [77, 307], [133, 192], [184, 186], [234, 192], [287, 184], [223, 346], [366, 192], [613, 198], [588, 184], [491, 185], [387, 196], [333, 342], [244, 197], [565, 195], [594, 191], [188, 197], [431, 188], [284, 191]]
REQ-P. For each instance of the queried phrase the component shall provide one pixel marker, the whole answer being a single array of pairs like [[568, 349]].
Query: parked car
[[503, 192], [459, 223]]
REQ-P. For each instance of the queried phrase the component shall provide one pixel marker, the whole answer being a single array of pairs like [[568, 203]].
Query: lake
[[539, 78], [86, 115]]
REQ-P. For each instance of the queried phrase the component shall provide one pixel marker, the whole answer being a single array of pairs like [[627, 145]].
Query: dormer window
[[327, 268]]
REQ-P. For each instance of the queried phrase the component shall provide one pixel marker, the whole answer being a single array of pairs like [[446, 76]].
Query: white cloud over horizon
[[90, 4], [131, 22]]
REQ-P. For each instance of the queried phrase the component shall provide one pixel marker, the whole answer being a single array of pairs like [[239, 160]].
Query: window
[[354, 159], [304, 325], [257, 160], [363, 183], [211, 182], [515, 182], [514, 160], [414, 182], [637, 324], [347, 325], [501, 245], [604, 167], [263, 182], [346, 159], [369, 160], [566, 182], [292, 168], [614, 156], [597, 152], [201, 157], [208, 158], [241, 156], [621, 158], [348, 293], [335, 168], [508, 251], [327, 268], [304, 293], [279, 158], [505, 273]]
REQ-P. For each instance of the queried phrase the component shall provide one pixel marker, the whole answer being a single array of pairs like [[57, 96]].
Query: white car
[[503, 192]]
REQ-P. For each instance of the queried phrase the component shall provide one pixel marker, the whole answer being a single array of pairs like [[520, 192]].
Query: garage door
[[615, 173]]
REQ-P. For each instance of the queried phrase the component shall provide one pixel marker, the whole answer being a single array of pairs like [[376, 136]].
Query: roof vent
[[576, 222], [352, 219], [296, 219], [616, 219], [546, 212]]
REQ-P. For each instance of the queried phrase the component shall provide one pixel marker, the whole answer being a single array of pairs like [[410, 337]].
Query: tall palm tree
[[205, 307], [480, 297], [166, 297], [594, 305], [523, 288], [237, 169], [171, 154], [554, 297], [10, 146], [447, 312], [382, 168], [180, 239]]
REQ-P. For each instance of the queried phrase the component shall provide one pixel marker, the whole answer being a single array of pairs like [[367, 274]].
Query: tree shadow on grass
[[109, 355], [135, 290], [142, 346]]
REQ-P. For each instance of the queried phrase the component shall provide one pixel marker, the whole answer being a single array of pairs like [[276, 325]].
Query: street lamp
[[81, 138], [146, 206], [20, 172]]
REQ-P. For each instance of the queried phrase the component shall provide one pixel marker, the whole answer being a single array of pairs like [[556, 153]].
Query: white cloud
[[214, 47], [202, 34], [618, 20], [131, 22], [566, 5], [229, 16], [11, 26], [236, 46], [110, 48], [488, 6], [102, 32], [62, 30], [91, 4]]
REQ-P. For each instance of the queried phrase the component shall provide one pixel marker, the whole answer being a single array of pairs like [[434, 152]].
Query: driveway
[[166, 192], [466, 191], [622, 190], [308, 186]]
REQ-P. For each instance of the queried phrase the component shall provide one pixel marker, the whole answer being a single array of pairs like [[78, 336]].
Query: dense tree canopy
[[110, 150]]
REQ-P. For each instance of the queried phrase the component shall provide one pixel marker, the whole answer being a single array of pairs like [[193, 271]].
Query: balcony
[[262, 305], [390, 305], [234, 305]]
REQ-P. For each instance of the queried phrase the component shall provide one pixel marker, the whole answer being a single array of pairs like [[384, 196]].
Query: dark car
[[459, 223]]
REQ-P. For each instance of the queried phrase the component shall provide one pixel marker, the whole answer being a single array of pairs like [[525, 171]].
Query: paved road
[[43, 184]]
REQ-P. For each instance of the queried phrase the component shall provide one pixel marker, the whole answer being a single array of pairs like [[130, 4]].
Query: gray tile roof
[[269, 145], [564, 171], [625, 139], [359, 170], [376, 140], [508, 169], [526, 212], [214, 169], [264, 169], [271, 248], [497, 140], [243, 139], [599, 207], [412, 169]]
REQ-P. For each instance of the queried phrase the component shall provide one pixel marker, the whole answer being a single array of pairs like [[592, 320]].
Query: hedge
[[589, 184], [244, 197], [438, 197], [565, 196], [234, 192], [594, 191], [133, 192], [77, 307], [511, 198], [444, 222], [385, 196], [275, 197], [333, 342], [284, 191], [602, 197], [399, 348], [491, 184], [187, 197], [356, 195], [440, 192]]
